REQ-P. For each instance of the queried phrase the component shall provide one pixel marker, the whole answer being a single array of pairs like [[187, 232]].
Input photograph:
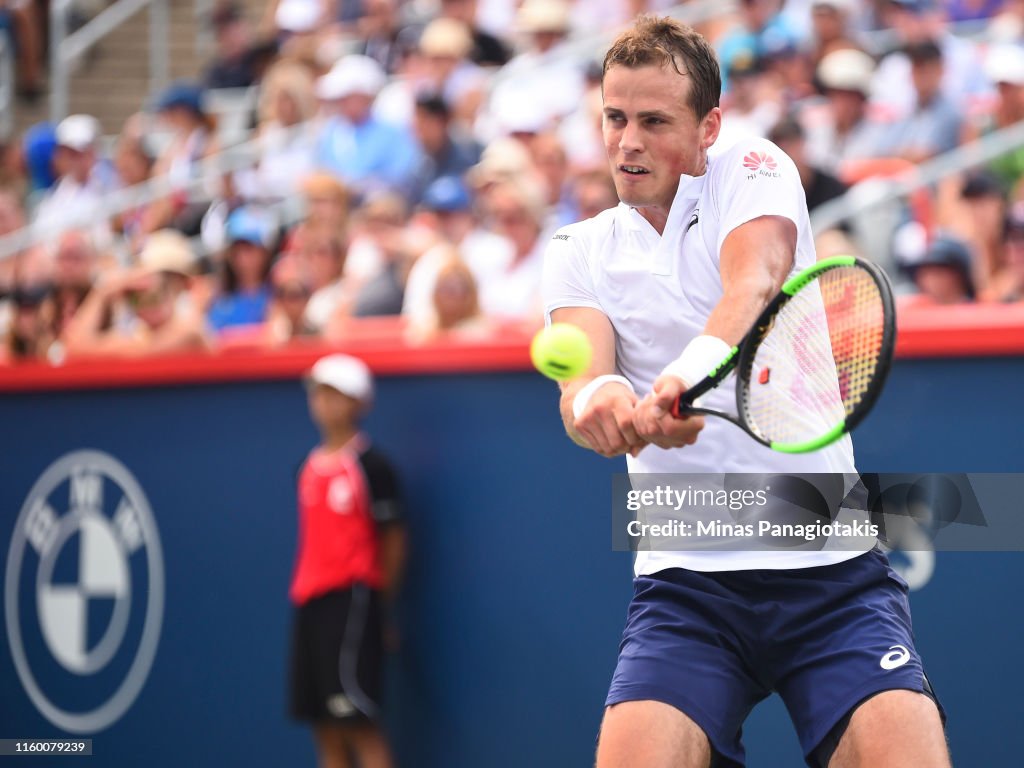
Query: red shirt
[[337, 543]]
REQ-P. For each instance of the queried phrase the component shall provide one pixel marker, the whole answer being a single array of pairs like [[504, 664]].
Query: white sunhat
[[1005, 64], [78, 132], [353, 74], [847, 70], [348, 375], [298, 16]]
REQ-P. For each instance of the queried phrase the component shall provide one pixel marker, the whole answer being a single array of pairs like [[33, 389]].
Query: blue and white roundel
[[84, 592]]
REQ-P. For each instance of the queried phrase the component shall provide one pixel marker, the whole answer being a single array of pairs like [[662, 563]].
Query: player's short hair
[[660, 40]]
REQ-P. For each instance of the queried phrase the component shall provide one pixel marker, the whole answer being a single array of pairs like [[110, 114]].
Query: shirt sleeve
[[385, 495], [755, 178], [567, 280]]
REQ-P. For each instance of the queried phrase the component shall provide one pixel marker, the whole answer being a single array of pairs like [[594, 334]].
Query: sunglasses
[[291, 294], [30, 296]]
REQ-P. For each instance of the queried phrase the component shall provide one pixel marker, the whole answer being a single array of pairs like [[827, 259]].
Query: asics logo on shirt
[[897, 656]]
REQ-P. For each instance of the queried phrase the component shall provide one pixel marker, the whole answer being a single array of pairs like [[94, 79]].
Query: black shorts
[[336, 657]]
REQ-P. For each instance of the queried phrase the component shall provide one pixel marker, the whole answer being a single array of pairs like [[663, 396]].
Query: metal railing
[[877, 192], [6, 87], [66, 49]]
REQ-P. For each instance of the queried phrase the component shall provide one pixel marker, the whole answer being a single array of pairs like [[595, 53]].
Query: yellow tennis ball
[[561, 351]]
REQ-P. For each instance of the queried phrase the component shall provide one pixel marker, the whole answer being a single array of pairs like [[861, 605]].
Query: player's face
[[331, 410], [651, 134]]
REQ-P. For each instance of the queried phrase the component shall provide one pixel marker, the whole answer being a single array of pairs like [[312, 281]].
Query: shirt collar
[[690, 188]]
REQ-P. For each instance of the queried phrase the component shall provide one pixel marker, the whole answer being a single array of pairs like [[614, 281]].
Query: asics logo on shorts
[[897, 656]]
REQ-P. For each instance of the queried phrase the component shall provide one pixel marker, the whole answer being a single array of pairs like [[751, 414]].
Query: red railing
[[924, 331]]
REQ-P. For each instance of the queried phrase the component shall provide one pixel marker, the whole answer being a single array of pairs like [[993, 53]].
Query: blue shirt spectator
[[367, 153], [244, 296]]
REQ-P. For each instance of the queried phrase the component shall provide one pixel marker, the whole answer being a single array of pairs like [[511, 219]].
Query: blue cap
[[446, 194], [181, 94], [39, 143], [915, 6], [246, 225]]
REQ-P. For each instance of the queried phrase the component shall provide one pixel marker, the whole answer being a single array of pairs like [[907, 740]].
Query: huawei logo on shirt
[[760, 164]]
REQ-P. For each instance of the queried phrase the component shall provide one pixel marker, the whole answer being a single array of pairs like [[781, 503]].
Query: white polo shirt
[[658, 291]]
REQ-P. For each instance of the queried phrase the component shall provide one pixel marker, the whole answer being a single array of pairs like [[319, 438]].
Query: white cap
[[847, 70], [844, 6], [446, 37], [78, 132], [544, 16], [349, 375], [298, 16], [1005, 64], [167, 250], [353, 74]]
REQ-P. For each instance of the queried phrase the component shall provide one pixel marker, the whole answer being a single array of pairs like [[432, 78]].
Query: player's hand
[[607, 422], [653, 420]]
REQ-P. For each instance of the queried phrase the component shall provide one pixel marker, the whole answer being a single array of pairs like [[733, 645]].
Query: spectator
[[1007, 283], [445, 47], [244, 295], [541, 84], [19, 23], [146, 302], [76, 265], [942, 272], [12, 219], [819, 186], [287, 102], [1004, 66], [844, 131], [83, 181], [292, 288], [323, 254], [443, 151], [789, 71], [384, 293], [238, 61], [758, 19], [379, 230], [455, 303], [38, 151], [552, 165], [830, 21], [511, 289], [933, 124], [750, 108], [446, 210], [30, 333], [361, 150], [133, 162], [915, 21], [594, 192], [487, 50], [180, 109], [351, 554], [974, 208], [379, 30]]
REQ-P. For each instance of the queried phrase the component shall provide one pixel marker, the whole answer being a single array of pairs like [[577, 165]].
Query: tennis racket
[[812, 366]]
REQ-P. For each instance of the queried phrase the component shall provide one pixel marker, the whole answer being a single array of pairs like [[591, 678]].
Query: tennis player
[[684, 264], [350, 555]]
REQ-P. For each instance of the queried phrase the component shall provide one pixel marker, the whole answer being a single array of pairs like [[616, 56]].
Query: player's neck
[[656, 216], [336, 439]]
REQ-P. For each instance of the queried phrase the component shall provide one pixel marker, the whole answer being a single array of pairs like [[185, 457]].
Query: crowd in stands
[[415, 156]]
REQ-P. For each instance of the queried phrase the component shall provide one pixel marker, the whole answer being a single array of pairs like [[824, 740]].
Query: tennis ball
[[561, 351]]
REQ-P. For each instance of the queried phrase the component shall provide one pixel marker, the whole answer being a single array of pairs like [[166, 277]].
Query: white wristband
[[579, 403], [701, 357]]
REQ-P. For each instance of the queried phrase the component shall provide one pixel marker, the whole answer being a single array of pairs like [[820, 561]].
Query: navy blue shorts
[[715, 644]]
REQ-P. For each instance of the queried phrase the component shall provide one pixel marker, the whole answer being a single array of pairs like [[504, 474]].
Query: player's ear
[[710, 127]]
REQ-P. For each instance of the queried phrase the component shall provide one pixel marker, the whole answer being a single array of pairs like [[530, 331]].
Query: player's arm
[[605, 424], [754, 261]]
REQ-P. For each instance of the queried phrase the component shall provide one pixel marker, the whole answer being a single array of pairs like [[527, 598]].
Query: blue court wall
[[514, 601]]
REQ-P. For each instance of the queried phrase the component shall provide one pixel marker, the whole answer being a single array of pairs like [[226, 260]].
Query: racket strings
[[818, 358]]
